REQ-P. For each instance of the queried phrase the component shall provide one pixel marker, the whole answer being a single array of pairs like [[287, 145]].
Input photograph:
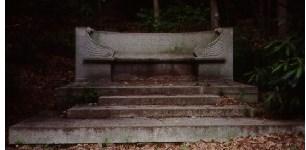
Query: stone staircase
[[152, 112], [162, 101]]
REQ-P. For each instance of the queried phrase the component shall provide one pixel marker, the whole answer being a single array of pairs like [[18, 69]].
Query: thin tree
[[282, 17], [214, 14], [156, 10]]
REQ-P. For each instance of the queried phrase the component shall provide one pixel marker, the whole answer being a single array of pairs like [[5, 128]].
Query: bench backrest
[[148, 43]]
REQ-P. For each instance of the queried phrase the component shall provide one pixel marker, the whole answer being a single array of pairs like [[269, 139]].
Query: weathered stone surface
[[159, 100], [221, 47], [242, 92], [86, 47], [158, 111], [134, 71], [153, 43], [132, 130], [133, 90]]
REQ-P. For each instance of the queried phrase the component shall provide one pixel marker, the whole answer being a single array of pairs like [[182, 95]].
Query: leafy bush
[[281, 76], [174, 18]]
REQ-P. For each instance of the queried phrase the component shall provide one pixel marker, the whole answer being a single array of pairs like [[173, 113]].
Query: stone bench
[[102, 55]]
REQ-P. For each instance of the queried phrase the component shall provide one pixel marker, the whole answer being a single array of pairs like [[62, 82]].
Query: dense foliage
[[281, 75]]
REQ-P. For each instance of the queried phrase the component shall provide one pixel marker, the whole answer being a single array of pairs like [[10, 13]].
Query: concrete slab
[[163, 89], [159, 100], [159, 111], [132, 130], [143, 71], [112, 90]]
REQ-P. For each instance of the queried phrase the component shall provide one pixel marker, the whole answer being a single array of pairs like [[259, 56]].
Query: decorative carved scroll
[[95, 49], [216, 48]]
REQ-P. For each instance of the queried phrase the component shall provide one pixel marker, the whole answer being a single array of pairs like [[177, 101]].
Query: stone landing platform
[[133, 130]]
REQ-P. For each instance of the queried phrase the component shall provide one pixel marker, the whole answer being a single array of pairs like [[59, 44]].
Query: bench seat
[[154, 58]]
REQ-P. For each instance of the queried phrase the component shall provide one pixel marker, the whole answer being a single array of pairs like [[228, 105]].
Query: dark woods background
[[40, 43]]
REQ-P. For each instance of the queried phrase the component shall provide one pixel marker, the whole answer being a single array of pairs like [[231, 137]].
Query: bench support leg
[[214, 71]]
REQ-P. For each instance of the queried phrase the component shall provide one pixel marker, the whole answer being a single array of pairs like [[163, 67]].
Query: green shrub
[[281, 76]]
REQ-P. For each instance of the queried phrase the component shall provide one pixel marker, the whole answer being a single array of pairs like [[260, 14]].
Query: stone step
[[132, 130], [239, 91], [150, 90], [159, 111], [164, 90], [160, 100]]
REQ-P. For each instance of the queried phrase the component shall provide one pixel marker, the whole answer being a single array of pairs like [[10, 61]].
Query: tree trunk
[[156, 10], [261, 17], [269, 20], [282, 17], [214, 14]]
